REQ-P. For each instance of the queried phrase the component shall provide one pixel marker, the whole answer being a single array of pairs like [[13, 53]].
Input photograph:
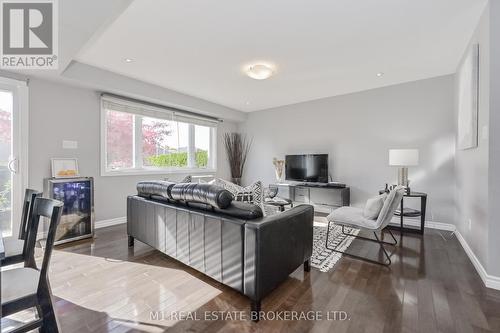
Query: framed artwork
[[468, 95], [64, 167]]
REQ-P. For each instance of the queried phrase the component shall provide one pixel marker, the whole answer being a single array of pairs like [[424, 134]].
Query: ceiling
[[320, 48]]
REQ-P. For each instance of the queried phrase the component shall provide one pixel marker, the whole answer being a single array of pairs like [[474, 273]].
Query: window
[[140, 139]]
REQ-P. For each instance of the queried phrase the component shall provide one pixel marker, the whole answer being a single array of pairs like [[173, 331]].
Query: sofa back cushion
[[159, 188], [202, 193]]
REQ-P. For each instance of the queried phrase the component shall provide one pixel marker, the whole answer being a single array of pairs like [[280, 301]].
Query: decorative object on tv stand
[[403, 158], [237, 148], [279, 167], [77, 194], [64, 167]]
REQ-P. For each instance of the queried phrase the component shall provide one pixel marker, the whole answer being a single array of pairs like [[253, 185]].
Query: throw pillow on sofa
[[253, 193], [374, 206], [187, 179]]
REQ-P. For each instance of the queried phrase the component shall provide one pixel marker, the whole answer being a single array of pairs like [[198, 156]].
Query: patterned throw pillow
[[253, 193], [187, 179]]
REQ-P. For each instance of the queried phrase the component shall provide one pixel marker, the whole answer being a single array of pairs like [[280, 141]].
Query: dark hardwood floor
[[430, 287]]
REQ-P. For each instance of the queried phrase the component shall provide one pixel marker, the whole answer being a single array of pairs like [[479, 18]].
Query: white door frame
[[20, 137]]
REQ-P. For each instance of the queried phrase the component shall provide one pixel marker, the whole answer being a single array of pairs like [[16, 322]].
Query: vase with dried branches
[[237, 148], [279, 166]]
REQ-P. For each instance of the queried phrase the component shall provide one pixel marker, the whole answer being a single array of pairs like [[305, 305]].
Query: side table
[[408, 212], [281, 203]]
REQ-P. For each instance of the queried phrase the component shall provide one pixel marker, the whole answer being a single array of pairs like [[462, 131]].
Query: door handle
[[11, 165]]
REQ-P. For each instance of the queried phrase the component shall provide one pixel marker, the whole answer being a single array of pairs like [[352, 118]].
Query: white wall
[[61, 112], [472, 164], [494, 141], [357, 130], [100, 79]]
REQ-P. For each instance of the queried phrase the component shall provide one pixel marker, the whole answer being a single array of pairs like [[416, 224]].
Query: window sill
[[145, 172]]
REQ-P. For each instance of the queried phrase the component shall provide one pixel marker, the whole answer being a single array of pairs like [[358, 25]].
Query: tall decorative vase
[[237, 148], [279, 166]]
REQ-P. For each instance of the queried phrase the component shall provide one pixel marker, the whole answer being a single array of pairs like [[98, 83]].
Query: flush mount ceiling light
[[380, 74], [128, 60], [259, 71]]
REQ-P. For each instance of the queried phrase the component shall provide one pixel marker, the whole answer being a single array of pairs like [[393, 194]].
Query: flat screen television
[[307, 168]]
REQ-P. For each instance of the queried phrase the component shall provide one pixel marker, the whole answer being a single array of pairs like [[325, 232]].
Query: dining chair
[[16, 248], [353, 217], [28, 287]]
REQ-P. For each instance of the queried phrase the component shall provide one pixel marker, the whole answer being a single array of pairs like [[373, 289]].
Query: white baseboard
[[489, 281], [110, 222], [415, 222]]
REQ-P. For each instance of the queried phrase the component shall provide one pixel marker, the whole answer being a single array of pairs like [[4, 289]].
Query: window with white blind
[[139, 138]]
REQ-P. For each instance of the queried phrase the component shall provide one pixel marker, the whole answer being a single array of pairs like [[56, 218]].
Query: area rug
[[323, 258]]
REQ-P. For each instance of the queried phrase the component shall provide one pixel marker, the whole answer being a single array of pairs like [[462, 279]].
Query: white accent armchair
[[353, 217]]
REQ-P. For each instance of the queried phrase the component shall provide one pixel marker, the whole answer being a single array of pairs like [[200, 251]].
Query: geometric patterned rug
[[323, 258]]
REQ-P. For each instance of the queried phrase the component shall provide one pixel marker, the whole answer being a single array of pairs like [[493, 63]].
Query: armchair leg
[[377, 240], [307, 265], [130, 241]]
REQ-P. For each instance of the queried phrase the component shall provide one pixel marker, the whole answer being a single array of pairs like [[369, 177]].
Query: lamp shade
[[403, 157]]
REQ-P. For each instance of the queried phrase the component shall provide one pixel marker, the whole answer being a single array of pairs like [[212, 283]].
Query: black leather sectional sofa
[[203, 227]]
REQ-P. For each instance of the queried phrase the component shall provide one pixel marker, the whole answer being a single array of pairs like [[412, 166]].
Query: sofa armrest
[[275, 246]]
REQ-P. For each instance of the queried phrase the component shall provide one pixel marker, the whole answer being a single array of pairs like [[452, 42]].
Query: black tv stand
[[331, 184], [325, 197]]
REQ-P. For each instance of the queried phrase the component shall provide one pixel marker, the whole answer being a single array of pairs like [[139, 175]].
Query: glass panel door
[[6, 161], [13, 153]]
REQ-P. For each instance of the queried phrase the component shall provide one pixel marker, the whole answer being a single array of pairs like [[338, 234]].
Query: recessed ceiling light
[[128, 60], [247, 103], [259, 71], [380, 74]]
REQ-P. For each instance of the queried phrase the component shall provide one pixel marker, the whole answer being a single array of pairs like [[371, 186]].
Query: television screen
[[307, 168]]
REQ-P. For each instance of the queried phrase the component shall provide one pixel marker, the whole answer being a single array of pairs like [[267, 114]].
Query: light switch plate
[[484, 132], [68, 144]]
